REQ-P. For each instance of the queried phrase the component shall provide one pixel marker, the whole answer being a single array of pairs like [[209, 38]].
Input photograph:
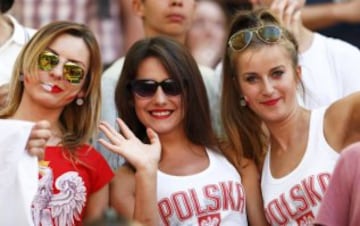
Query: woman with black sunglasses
[[176, 174], [57, 78], [296, 148]]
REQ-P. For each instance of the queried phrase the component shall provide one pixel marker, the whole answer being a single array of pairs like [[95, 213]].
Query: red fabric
[[64, 187]]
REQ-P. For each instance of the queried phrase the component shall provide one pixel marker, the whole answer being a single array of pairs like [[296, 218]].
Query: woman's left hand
[[141, 156]]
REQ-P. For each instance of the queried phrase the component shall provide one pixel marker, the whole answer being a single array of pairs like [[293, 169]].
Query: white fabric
[[11, 48], [214, 196], [330, 71], [108, 111], [18, 173], [295, 198]]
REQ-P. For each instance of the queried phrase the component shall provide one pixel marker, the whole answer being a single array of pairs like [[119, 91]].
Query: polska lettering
[[203, 203], [296, 204]]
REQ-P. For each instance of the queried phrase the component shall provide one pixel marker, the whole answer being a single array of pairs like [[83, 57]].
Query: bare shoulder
[[249, 169], [250, 177], [124, 179]]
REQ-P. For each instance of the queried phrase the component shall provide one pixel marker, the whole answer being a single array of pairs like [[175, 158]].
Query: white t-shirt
[[330, 71], [11, 48]]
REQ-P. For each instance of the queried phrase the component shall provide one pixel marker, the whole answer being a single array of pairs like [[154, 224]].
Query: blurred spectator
[[334, 18], [12, 37], [114, 25], [233, 6], [206, 37], [340, 205]]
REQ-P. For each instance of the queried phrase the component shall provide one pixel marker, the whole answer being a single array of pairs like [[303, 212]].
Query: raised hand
[[289, 13], [39, 136], [140, 155]]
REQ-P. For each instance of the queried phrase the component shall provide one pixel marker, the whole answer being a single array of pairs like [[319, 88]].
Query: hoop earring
[[79, 101], [243, 102]]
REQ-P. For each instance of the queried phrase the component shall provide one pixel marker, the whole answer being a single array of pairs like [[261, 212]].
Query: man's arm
[[319, 16]]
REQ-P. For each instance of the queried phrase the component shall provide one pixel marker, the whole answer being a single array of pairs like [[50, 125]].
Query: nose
[[268, 87], [160, 96], [176, 2], [57, 72]]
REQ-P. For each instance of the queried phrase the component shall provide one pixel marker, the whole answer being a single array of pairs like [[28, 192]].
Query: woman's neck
[[6, 29], [30, 111], [291, 131]]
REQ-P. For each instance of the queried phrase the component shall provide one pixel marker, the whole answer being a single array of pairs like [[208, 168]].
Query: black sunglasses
[[148, 87]]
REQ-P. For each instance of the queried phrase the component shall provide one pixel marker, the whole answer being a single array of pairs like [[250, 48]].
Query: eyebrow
[[71, 60]]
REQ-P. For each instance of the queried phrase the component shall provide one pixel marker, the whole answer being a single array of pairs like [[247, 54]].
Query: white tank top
[[212, 197], [295, 198]]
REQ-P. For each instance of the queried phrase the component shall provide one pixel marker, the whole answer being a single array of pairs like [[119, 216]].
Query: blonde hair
[[78, 123]]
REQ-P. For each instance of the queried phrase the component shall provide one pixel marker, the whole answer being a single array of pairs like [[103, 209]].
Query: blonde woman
[[57, 78]]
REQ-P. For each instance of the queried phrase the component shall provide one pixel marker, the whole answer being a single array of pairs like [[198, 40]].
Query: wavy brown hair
[[181, 67]]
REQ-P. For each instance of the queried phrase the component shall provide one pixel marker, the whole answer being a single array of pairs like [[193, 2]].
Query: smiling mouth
[[51, 88], [271, 102], [161, 114]]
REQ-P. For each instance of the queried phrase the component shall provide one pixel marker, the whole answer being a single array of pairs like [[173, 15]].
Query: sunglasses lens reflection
[[73, 73], [47, 61], [270, 34]]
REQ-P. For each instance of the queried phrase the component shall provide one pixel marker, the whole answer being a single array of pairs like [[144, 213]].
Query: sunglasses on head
[[72, 72], [241, 39], [148, 87]]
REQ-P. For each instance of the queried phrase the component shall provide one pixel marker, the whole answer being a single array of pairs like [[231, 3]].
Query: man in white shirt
[[12, 37]]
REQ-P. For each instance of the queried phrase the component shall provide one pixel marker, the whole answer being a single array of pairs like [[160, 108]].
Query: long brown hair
[[246, 135], [181, 67]]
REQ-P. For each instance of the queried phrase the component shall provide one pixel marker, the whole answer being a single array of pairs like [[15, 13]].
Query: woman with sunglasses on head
[[176, 174], [297, 149], [57, 78]]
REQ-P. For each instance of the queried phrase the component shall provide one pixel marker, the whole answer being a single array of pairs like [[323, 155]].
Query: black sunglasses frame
[[148, 87]]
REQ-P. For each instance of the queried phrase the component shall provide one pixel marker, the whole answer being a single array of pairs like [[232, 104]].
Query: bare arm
[[254, 203], [122, 192], [132, 29], [141, 190], [342, 122], [323, 15], [98, 202]]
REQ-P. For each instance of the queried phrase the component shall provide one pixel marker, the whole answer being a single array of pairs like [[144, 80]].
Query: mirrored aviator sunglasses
[[72, 72], [148, 87], [268, 34]]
